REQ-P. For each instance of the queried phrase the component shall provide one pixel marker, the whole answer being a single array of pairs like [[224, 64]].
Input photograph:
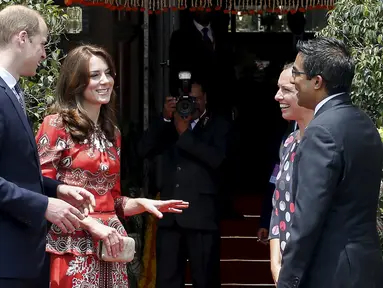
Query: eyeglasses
[[295, 72]]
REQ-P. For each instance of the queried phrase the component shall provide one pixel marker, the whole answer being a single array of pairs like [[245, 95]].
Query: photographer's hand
[[182, 124], [169, 107]]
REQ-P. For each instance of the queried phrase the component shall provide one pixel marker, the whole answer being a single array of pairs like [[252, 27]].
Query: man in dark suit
[[202, 46], [192, 151], [336, 179], [24, 202]]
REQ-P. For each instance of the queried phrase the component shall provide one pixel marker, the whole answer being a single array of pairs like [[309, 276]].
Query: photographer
[[193, 148]]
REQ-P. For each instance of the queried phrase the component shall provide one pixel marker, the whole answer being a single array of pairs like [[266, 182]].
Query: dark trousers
[[18, 283], [175, 245], [41, 282], [45, 273]]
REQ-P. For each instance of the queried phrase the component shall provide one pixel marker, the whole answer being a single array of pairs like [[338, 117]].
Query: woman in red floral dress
[[80, 145]]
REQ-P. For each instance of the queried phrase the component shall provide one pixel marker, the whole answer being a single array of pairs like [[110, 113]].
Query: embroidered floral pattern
[[89, 272]]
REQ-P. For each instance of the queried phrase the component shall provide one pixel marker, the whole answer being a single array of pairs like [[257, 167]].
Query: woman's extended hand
[[157, 207], [112, 240]]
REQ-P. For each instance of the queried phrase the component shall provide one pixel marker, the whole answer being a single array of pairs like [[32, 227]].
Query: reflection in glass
[[74, 21], [273, 22]]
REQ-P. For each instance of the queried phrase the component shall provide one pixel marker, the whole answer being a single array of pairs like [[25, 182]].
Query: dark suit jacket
[[336, 180], [190, 167], [23, 191], [188, 52]]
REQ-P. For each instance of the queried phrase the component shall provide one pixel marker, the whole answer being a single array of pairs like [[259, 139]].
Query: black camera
[[186, 104]]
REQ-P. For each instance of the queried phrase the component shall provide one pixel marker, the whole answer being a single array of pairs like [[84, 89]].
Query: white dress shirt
[[8, 79], [193, 122], [200, 27], [11, 83]]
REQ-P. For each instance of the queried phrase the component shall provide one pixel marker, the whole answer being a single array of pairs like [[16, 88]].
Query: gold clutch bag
[[126, 255]]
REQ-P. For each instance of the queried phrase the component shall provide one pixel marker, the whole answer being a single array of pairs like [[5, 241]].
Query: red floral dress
[[95, 166]]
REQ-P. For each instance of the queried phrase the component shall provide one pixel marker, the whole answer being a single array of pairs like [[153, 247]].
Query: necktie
[[206, 38], [20, 96], [205, 34]]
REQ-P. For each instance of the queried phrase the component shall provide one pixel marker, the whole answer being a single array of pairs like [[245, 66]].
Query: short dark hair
[[199, 79], [329, 58]]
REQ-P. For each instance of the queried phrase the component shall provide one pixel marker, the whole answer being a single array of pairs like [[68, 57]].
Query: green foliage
[[359, 23], [380, 215], [39, 90]]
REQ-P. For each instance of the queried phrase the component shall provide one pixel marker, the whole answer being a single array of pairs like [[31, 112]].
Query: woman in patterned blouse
[[80, 146], [283, 204]]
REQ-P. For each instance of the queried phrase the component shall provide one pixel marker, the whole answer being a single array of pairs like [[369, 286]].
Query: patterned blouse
[[283, 203], [94, 165]]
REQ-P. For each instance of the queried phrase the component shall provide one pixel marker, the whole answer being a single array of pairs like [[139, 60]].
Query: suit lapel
[[197, 35], [199, 127], [19, 111]]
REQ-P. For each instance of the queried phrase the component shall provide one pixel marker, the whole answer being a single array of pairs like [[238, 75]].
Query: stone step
[[247, 248], [237, 285], [242, 271], [249, 204], [241, 227]]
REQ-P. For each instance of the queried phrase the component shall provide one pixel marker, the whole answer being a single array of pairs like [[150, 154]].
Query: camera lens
[[185, 107]]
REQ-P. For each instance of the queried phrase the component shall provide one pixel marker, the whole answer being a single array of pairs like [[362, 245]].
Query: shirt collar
[[8, 78], [203, 114], [324, 101], [200, 27]]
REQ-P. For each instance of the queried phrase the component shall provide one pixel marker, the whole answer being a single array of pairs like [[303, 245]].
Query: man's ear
[[318, 82], [23, 37]]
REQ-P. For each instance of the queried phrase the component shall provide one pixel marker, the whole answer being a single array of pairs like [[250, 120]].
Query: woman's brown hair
[[72, 82]]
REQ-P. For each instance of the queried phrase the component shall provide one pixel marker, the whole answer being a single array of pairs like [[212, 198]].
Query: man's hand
[[169, 107], [182, 124], [157, 207], [64, 215], [77, 197]]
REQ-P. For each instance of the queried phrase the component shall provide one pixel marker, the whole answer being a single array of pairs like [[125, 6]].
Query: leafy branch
[[359, 23]]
